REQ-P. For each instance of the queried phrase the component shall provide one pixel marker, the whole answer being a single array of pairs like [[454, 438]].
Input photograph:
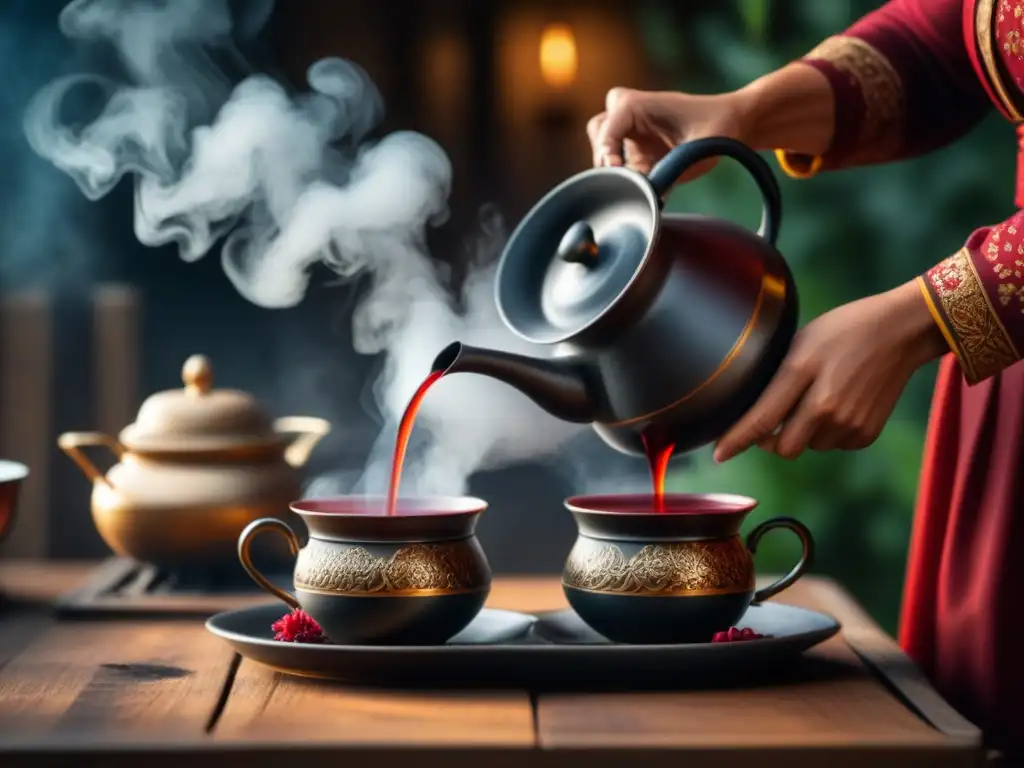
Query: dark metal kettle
[[660, 322]]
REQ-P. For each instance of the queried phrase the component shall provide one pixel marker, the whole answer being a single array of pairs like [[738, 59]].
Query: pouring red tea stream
[[658, 451], [404, 433]]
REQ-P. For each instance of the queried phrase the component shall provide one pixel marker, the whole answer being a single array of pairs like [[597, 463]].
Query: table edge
[[884, 657]]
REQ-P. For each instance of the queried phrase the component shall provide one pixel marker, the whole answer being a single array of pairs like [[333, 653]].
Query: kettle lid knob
[[197, 374], [578, 245]]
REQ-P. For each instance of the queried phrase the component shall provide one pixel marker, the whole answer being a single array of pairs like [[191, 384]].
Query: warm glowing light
[[558, 58]]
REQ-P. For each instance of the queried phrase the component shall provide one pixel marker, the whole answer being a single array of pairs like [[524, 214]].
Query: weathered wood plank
[[41, 580], [113, 682], [265, 705], [18, 630], [831, 703], [881, 652], [26, 413]]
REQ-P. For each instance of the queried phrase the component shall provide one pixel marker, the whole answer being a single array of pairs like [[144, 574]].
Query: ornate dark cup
[[417, 577], [679, 575]]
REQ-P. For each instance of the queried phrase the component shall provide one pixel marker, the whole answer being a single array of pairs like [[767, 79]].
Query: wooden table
[[160, 692]]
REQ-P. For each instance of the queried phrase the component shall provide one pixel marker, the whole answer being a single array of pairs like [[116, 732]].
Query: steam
[[281, 183]]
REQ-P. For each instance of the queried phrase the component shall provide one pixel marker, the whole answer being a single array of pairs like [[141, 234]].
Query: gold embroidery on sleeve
[[881, 131], [982, 343], [983, 33]]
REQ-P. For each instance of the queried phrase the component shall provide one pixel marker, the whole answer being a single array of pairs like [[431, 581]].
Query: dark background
[[466, 73]]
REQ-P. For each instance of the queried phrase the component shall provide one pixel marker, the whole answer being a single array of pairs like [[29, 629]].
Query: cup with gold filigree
[[415, 577], [670, 572]]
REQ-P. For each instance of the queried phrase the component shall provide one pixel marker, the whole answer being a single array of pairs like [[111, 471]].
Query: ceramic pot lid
[[199, 417], [576, 253]]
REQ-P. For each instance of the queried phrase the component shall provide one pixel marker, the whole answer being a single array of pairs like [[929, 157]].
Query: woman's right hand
[[638, 128]]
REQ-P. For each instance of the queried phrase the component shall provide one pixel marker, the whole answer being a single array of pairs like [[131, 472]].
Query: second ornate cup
[[639, 575], [417, 577]]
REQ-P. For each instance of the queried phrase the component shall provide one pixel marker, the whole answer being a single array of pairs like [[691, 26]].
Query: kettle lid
[[199, 417], [575, 254]]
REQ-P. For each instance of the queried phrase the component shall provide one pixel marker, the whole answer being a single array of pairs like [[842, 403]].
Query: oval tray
[[549, 650]]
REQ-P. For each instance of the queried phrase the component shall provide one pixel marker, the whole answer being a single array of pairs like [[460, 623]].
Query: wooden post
[[115, 357], [26, 413]]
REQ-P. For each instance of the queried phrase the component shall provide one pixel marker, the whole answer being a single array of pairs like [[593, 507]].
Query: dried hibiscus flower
[[297, 627], [732, 635]]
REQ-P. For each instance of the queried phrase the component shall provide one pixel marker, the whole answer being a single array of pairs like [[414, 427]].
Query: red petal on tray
[[297, 627], [734, 634]]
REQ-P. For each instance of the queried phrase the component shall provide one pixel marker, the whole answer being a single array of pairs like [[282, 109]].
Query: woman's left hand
[[842, 377]]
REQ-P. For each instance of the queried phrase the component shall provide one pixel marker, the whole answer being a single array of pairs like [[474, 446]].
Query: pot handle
[[252, 530], [806, 558], [72, 444], [668, 170], [310, 431]]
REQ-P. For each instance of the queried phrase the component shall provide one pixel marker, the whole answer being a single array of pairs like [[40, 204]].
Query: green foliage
[[846, 235]]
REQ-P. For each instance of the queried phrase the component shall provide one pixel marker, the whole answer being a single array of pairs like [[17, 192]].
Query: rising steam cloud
[[280, 183]]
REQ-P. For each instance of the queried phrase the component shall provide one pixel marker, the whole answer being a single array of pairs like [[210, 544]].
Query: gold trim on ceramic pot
[[414, 570], [687, 568]]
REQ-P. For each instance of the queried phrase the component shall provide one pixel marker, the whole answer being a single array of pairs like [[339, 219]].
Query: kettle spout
[[560, 387]]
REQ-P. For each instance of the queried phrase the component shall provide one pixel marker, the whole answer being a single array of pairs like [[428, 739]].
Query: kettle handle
[[682, 158]]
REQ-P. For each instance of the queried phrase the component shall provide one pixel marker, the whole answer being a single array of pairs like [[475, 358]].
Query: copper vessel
[[197, 466]]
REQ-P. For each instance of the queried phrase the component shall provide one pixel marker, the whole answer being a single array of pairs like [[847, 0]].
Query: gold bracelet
[[783, 156]]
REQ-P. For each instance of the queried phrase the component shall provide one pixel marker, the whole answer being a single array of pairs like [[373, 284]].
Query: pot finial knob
[[197, 373], [578, 245]]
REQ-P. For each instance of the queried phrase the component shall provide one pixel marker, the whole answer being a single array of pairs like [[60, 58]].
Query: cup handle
[[245, 555], [310, 431], [806, 558], [72, 444]]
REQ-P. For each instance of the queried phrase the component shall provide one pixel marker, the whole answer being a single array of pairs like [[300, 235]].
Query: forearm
[[792, 108], [914, 320], [896, 84]]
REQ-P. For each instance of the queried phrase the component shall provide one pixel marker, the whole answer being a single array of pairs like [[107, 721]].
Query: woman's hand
[[842, 377], [791, 108], [638, 128]]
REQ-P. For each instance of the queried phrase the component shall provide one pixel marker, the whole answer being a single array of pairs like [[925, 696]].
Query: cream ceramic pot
[[197, 466]]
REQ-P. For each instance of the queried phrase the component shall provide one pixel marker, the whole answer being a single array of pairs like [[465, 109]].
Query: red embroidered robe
[[909, 78]]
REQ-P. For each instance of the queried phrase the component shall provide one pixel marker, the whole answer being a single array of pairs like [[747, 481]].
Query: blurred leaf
[[662, 39], [755, 17]]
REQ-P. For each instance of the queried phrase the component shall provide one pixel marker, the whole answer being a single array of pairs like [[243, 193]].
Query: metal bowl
[[11, 475]]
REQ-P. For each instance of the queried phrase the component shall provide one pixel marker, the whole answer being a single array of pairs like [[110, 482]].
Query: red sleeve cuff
[[869, 107], [977, 298]]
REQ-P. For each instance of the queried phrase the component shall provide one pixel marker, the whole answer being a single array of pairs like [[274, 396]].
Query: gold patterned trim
[[984, 15], [881, 131], [880, 85], [937, 315], [968, 319], [416, 570], [690, 568]]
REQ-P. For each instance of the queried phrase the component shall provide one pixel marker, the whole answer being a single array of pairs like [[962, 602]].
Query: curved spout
[[559, 387]]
